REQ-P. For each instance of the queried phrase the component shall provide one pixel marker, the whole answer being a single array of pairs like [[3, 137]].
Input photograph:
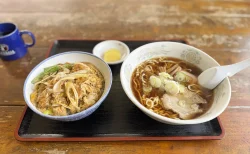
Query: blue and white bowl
[[222, 93], [71, 57]]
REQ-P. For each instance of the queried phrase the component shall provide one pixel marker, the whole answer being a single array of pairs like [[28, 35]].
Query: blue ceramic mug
[[12, 45]]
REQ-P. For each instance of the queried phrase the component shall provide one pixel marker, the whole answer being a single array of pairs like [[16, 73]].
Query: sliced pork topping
[[187, 108]]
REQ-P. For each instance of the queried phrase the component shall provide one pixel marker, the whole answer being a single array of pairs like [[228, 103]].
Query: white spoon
[[211, 77]]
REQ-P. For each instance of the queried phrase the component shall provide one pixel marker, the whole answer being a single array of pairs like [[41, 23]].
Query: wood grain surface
[[221, 28]]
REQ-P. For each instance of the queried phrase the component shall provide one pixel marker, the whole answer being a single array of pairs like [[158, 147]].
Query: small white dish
[[102, 47]]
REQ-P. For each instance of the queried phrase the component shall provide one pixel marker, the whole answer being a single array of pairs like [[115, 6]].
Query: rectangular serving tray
[[117, 119]]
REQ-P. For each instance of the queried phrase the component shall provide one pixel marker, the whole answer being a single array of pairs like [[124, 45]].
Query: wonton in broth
[[168, 87]]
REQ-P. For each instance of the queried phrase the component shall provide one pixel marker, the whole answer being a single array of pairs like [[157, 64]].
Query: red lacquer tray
[[117, 119]]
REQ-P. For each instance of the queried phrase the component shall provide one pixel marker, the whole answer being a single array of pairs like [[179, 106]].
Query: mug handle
[[31, 35]]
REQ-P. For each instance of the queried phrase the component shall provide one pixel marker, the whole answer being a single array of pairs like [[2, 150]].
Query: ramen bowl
[[222, 93], [71, 57]]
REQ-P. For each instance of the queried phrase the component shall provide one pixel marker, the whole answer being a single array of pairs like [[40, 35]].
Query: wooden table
[[221, 28]]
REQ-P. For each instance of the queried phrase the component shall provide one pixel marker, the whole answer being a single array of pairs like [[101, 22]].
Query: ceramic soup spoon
[[211, 77]]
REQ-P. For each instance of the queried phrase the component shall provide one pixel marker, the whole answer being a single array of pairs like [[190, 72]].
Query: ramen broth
[[159, 86]]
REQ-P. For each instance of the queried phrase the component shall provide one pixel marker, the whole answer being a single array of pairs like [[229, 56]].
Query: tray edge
[[171, 138]]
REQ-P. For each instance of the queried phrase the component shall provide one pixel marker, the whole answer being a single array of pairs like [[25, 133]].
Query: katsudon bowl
[[62, 58], [221, 94]]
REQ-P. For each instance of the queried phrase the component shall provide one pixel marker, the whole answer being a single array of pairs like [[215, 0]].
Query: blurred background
[[220, 24]]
